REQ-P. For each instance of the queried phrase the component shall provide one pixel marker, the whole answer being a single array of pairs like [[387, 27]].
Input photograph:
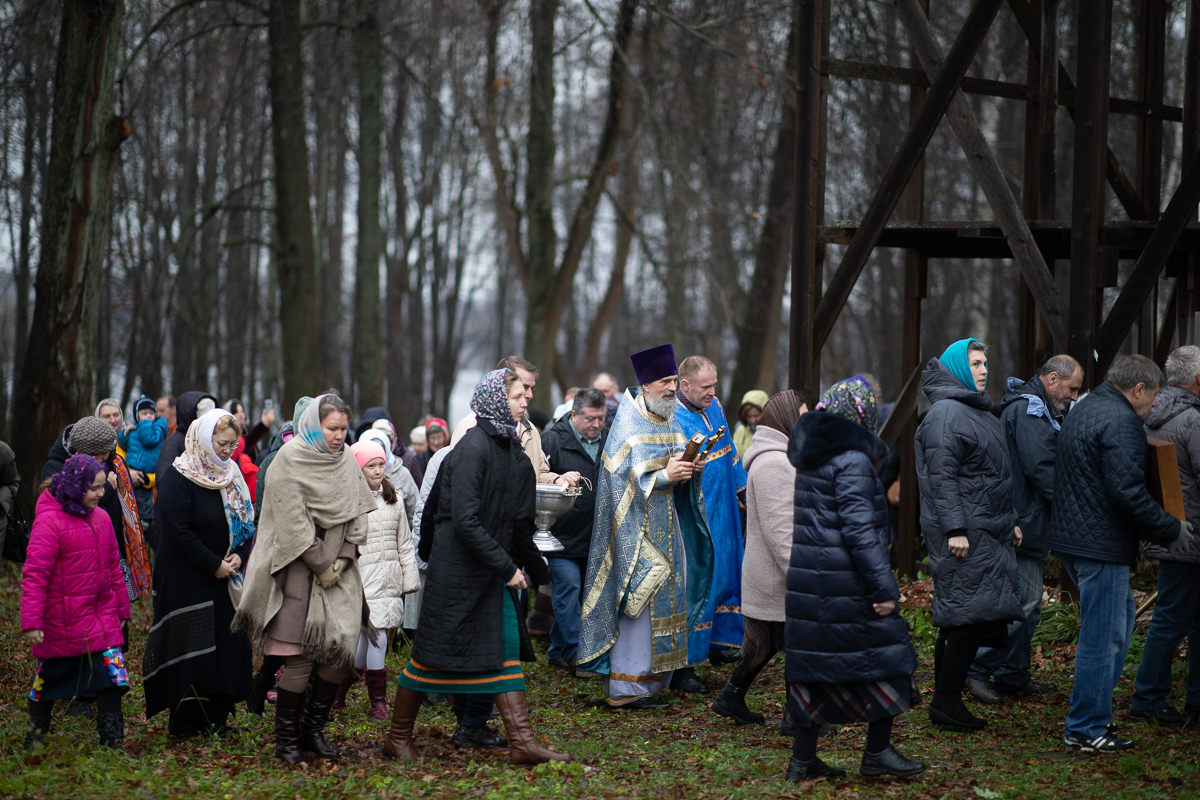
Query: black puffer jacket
[[185, 415], [484, 534], [1101, 504], [839, 562], [566, 454], [965, 483], [1030, 433], [1176, 419]]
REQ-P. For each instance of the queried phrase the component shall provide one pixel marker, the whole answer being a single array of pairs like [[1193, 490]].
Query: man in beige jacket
[[531, 438]]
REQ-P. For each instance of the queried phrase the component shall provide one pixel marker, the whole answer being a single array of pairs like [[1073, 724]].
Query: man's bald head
[[1062, 378], [606, 383]]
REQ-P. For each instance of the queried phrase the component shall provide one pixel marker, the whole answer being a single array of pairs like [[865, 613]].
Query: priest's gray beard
[[663, 406]]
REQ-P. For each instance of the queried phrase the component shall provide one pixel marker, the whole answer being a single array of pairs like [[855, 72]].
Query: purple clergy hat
[[654, 364]]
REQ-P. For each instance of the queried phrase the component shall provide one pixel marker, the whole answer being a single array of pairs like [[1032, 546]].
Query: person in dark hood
[[378, 417], [965, 482], [1031, 420], [188, 406]]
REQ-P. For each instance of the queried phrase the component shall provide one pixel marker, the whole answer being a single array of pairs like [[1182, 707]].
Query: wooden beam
[[803, 376], [991, 178], [1121, 185], [1180, 211], [1162, 347], [1048, 111], [1091, 137], [976, 26], [906, 76], [903, 410]]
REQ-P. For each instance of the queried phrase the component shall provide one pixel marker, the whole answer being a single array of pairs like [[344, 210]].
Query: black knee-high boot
[[39, 722], [947, 707]]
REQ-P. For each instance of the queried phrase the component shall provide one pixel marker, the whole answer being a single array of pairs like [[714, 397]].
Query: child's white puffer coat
[[388, 563]]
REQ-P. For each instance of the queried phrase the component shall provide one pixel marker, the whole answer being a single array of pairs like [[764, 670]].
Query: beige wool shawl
[[309, 489]]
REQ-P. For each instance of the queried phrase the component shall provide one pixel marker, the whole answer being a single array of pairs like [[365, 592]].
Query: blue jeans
[[1010, 666], [1176, 614], [566, 588], [1106, 626]]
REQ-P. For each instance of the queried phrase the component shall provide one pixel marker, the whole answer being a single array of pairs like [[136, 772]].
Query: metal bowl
[[553, 500]]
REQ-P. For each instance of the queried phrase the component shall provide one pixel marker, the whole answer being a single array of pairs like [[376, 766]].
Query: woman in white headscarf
[[303, 592], [194, 666]]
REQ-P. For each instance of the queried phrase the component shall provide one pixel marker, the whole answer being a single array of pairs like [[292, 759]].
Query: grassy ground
[[683, 751]]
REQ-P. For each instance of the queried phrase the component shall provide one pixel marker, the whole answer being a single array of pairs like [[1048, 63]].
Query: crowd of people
[[308, 547]]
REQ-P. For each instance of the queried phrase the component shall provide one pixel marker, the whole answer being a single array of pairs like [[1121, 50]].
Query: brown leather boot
[[339, 699], [399, 740], [524, 749], [288, 708], [377, 683]]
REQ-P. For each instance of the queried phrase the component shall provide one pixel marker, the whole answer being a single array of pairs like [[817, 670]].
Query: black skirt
[[79, 676]]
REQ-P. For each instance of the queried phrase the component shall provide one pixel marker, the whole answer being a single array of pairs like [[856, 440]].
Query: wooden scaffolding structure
[[1157, 238]]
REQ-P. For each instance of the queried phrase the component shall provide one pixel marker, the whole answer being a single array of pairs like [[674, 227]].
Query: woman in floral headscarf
[[194, 666], [472, 639], [849, 658]]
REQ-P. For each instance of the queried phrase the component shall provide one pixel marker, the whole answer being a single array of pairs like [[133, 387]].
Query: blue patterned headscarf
[[73, 482], [308, 425], [490, 402], [853, 399]]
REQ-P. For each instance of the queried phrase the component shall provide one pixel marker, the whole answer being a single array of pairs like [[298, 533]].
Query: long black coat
[[485, 512], [195, 538], [839, 563], [1101, 504], [566, 454], [110, 501], [172, 448], [1031, 436], [965, 482]]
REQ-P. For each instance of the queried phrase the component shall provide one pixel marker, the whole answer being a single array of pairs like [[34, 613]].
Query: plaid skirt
[[846, 703]]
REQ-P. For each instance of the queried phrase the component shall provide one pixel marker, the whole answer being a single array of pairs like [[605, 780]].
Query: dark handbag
[[16, 537]]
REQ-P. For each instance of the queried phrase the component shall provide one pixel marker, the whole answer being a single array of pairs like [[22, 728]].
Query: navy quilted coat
[[965, 482], [839, 562], [1101, 504]]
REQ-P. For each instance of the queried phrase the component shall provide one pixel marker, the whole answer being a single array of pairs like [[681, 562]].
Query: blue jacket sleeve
[[854, 489]]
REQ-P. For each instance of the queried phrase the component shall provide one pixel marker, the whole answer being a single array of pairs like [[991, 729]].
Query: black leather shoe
[[257, 702], [562, 664], [726, 655], [685, 680], [645, 703], [800, 771], [983, 691], [1031, 689], [483, 738], [1167, 716], [954, 714], [889, 762], [732, 703]]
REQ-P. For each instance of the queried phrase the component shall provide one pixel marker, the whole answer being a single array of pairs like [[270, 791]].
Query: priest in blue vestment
[[649, 568], [720, 632]]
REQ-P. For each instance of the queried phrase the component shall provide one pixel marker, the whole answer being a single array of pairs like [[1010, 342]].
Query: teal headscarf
[[958, 362]]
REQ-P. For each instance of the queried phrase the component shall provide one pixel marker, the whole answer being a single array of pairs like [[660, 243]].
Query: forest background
[[374, 194]]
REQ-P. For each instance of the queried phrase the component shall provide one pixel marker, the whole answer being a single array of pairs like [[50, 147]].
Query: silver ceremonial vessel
[[553, 500]]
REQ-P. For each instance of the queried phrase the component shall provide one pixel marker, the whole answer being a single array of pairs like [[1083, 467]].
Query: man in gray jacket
[[1032, 415], [1175, 418]]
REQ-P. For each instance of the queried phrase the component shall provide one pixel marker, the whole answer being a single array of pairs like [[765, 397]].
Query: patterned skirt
[[509, 678], [846, 703], [79, 676]]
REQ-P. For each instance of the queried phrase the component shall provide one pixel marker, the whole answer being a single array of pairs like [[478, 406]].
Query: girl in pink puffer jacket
[[73, 599]]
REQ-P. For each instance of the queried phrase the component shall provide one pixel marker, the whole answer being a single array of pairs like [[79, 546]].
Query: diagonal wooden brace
[[1180, 211], [908, 155], [991, 178]]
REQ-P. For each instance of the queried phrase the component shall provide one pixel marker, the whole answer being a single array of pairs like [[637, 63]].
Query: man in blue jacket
[[1101, 508], [1031, 419]]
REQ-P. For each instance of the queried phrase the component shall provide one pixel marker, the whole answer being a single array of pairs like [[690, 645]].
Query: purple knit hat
[[654, 364], [73, 482]]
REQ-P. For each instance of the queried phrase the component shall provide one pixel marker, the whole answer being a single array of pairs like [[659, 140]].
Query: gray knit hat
[[91, 436]]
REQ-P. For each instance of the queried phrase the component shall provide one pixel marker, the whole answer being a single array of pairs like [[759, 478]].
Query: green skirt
[[509, 678]]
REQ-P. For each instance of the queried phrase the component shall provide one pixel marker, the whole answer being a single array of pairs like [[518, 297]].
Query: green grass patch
[[684, 751]]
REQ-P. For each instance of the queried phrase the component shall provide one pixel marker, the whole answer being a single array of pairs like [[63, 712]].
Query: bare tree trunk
[[293, 214], [56, 381], [368, 328], [758, 332], [397, 268], [549, 285], [35, 135]]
